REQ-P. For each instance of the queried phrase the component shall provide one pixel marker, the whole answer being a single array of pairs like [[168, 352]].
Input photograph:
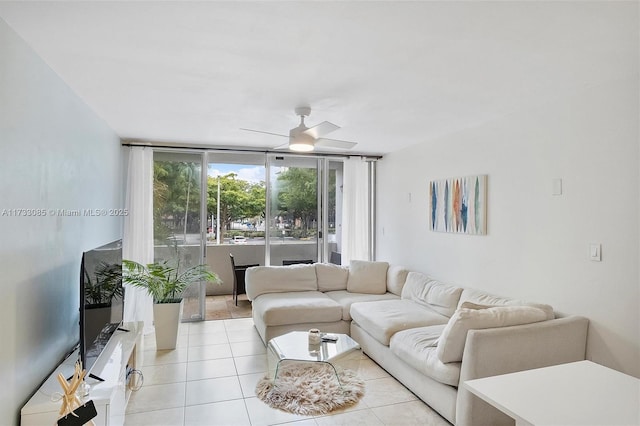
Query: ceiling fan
[[305, 139]]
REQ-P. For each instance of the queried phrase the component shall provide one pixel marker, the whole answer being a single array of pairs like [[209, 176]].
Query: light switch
[[557, 186], [595, 252]]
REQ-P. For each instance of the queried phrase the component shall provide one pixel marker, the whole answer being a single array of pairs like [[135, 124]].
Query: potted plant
[[165, 282]]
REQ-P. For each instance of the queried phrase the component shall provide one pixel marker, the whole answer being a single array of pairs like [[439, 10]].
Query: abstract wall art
[[459, 205]]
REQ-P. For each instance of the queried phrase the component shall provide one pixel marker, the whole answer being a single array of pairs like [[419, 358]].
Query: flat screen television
[[101, 300]]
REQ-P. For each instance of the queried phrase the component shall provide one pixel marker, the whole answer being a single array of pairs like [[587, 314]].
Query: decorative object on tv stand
[[73, 411], [166, 282], [459, 205]]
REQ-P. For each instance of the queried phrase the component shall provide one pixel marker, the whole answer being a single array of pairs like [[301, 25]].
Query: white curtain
[[355, 211], [137, 243]]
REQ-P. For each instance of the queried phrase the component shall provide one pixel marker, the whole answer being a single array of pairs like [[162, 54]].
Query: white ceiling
[[391, 74]]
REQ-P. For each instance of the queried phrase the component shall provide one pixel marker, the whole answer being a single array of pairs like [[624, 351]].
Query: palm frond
[[163, 280]]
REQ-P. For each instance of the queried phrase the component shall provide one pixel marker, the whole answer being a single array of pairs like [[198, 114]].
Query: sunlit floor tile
[[364, 417], [248, 383], [252, 347], [409, 413], [165, 373], [305, 422], [211, 369], [386, 391], [169, 417], [213, 390], [205, 327], [261, 414], [238, 324], [224, 413], [205, 352], [243, 335], [369, 370], [251, 364], [213, 338], [157, 397]]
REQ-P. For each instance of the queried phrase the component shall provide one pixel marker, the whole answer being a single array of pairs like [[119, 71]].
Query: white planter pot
[[166, 318]]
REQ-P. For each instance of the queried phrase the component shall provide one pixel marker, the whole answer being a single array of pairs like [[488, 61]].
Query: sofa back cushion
[[277, 279], [331, 277], [396, 277], [475, 317], [442, 298], [367, 277], [479, 297]]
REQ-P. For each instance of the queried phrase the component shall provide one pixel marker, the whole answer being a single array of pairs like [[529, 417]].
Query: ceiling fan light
[[301, 147], [302, 143]]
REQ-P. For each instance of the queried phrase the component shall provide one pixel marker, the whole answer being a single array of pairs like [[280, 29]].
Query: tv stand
[[108, 381]]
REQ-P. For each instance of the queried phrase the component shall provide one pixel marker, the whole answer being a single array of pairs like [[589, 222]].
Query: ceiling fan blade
[[334, 143], [321, 129], [266, 133], [284, 146]]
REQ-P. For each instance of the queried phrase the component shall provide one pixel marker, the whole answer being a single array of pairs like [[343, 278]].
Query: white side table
[[577, 393]]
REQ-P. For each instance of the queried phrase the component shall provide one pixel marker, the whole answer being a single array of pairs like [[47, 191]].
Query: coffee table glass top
[[295, 346]]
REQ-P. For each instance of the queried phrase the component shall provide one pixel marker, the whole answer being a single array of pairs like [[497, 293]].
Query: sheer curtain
[[137, 243], [355, 210]]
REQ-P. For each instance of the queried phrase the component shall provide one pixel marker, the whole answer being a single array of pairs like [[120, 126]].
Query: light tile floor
[[210, 378]]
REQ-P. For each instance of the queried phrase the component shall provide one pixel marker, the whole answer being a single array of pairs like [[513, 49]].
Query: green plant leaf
[[163, 281]]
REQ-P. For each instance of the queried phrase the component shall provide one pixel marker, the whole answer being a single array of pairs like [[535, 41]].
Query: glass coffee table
[[294, 347]]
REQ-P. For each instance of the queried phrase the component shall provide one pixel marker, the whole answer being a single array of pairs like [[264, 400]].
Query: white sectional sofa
[[301, 297], [429, 335]]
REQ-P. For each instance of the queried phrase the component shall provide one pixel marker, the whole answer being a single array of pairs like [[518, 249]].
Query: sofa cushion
[[278, 279], [367, 277], [296, 308], [346, 299], [442, 298], [453, 338], [331, 277], [417, 347], [384, 318], [479, 297], [396, 277]]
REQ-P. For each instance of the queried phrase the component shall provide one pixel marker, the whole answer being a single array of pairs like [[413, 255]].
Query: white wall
[[54, 154], [537, 244]]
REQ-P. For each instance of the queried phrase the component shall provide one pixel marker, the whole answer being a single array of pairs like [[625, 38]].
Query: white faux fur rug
[[310, 389]]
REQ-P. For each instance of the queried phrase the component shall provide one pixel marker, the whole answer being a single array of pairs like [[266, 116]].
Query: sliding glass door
[[236, 205], [294, 231], [177, 219]]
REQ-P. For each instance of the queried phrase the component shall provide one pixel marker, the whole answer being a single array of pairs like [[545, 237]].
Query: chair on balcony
[[336, 258], [238, 278]]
